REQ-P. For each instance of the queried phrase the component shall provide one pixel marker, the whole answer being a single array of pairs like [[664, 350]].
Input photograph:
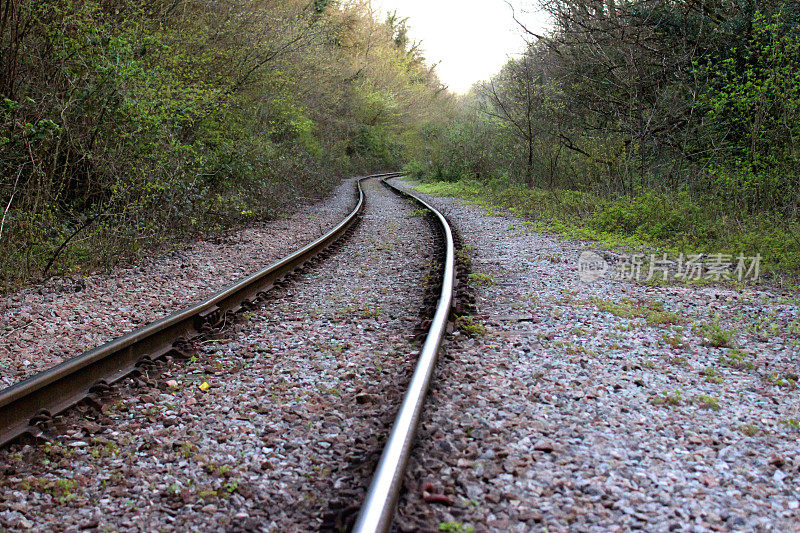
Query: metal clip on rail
[[378, 509]]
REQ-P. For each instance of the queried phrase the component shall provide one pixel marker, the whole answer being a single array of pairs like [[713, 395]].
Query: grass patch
[[455, 527], [673, 399], [469, 326], [625, 308], [751, 430], [679, 361], [651, 310], [712, 375], [62, 490], [793, 423], [573, 349], [715, 335], [661, 318], [673, 340], [781, 380], [479, 279], [708, 402], [673, 223], [737, 359]]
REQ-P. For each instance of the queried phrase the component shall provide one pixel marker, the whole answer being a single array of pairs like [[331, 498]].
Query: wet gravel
[[44, 324], [301, 394], [606, 406]]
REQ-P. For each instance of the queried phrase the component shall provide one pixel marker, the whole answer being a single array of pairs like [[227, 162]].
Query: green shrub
[[653, 217], [674, 223]]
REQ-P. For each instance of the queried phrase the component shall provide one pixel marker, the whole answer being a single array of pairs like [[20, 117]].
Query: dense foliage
[[124, 123], [648, 103]]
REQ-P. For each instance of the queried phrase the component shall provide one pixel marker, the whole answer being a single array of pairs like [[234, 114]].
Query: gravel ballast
[[605, 406], [301, 393], [562, 405], [44, 324]]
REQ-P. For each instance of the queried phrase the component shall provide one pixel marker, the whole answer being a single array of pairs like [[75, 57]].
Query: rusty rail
[[29, 405]]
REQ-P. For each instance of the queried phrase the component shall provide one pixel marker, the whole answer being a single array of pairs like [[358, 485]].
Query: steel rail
[[378, 509], [26, 405]]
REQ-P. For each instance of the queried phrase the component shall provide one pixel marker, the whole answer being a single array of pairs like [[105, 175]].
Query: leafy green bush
[[130, 123], [672, 222], [654, 216]]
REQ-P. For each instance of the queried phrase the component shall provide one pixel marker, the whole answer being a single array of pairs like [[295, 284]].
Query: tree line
[[622, 98], [127, 123]]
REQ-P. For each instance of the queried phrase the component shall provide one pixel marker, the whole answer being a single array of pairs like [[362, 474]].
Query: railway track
[[378, 509], [29, 407]]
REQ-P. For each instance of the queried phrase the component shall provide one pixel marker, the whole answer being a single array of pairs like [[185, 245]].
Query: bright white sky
[[472, 39]]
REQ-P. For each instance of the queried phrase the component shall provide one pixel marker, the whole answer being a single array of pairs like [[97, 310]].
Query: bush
[[129, 123], [653, 216], [672, 222]]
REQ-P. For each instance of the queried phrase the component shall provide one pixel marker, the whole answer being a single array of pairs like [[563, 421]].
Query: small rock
[[439, 499], [365, 398], [777, 460], [544, 445]]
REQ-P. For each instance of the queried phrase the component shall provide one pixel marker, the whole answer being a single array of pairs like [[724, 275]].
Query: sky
[[470, 39]]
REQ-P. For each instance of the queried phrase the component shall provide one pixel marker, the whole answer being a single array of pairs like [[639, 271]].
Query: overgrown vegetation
[[127, 123], [657, 122], [626, 221]]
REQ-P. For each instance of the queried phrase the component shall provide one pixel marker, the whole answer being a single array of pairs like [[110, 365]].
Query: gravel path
[[606, 406], [302, 394], [42, 325]]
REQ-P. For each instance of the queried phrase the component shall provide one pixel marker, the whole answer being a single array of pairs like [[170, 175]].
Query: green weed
[[737, 359], [715, 335], [469, 326], [658, 318], [674, 341], [784, 381], [709, 402], [669, 399], [751, 430], [455, 527], [712, 375], [479, 279]]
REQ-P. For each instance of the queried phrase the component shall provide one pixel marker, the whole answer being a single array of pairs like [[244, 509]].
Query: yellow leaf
[[204, 386]]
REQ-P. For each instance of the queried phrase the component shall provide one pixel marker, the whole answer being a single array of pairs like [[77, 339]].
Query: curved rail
[[27, 404], [378, 509]]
